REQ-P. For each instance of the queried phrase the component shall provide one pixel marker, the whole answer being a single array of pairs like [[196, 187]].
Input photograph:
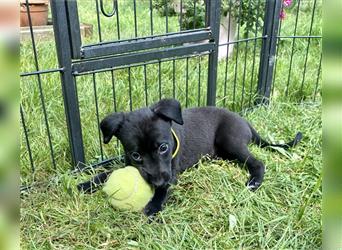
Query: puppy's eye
[[163, 148], [136, 156]]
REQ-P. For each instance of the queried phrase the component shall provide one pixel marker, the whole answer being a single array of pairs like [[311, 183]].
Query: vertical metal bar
[[277, 52], [74, 28], [318, 76], [199, 82], [117, 18], [194, 14], [237, 55], [292, 51], [159, 80], [213, 15], [26, 138], [226, 70], [245, 62], [254, 50], [166, 16], [41, 94], [181, 15], [130, 89], [97, 115], [173, 79], [145, 81], [151, 17], [135, 18], [308, 46], [113, 88], [98, 20], [187, 83], [267, 57], [68, 82]]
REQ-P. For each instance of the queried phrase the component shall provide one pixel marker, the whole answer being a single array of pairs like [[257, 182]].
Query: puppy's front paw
[[86, 187], [253, 184], [152, 208]]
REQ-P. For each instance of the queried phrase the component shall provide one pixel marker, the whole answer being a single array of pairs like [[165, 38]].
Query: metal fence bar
[[308, 46], [98, 21], [181, 15], [41, 94], [143, 44], [243, 40], [245, 62], [159, 80], [277, 52], [195, 14], [117, 19], [74, 28], [113, 89], [140, 64], [237, 56], [40, 72], [318, 76], [267, 57], [226, 70], [166, 16], [151, 17], [28, 146], [199, 82], [292, 51], [213, 20], [97, 116], [130, 89], [254, 50], [187, 82], [135, 18], [112, 62], [297, 36], [145, 85], [141, 38], [68, 82], [174, 79]]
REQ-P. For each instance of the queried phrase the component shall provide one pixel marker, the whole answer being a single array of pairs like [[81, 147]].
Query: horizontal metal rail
[[144, 43], [39, 72], [243, 40], [145, 37], [111, 62], [299, 36], [141, 64]]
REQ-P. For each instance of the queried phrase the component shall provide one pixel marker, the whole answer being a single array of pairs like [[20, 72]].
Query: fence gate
[[76, 58]]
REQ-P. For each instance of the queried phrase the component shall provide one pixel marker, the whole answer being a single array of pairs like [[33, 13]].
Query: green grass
[[284, 213]]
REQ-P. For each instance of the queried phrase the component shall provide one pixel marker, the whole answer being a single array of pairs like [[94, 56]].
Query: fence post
[[268, 50], [64, 54], [213, 21]]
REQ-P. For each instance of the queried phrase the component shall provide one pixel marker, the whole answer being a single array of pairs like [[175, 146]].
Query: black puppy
[[162, 141]]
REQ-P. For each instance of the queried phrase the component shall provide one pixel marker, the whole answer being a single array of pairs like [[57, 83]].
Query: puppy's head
[[146, 137]]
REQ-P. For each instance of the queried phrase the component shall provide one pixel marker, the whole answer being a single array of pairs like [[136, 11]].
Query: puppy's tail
[[262, 143]]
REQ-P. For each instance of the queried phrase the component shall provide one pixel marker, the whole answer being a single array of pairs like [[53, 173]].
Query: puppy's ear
[[111, 125], [169, 109]]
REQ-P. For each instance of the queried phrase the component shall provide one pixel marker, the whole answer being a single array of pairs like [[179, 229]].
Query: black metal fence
[[142, 51]]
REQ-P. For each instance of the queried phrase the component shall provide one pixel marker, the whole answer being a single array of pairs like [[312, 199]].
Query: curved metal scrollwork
[[114, 10]]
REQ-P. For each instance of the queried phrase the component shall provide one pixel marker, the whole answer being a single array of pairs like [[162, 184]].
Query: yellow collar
[[177, 142]]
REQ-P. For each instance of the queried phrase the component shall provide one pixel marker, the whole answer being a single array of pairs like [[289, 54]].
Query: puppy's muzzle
[[162, 180]]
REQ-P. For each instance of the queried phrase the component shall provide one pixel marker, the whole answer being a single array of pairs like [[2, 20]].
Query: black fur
[[202, 131]]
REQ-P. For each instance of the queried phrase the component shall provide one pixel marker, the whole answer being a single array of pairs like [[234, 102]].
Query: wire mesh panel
[[43, 130], [299, 52]]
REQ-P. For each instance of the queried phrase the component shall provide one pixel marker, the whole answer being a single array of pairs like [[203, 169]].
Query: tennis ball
[[127, 189]]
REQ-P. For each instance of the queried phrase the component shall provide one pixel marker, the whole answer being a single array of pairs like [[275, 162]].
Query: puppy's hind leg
[[233, 149]]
